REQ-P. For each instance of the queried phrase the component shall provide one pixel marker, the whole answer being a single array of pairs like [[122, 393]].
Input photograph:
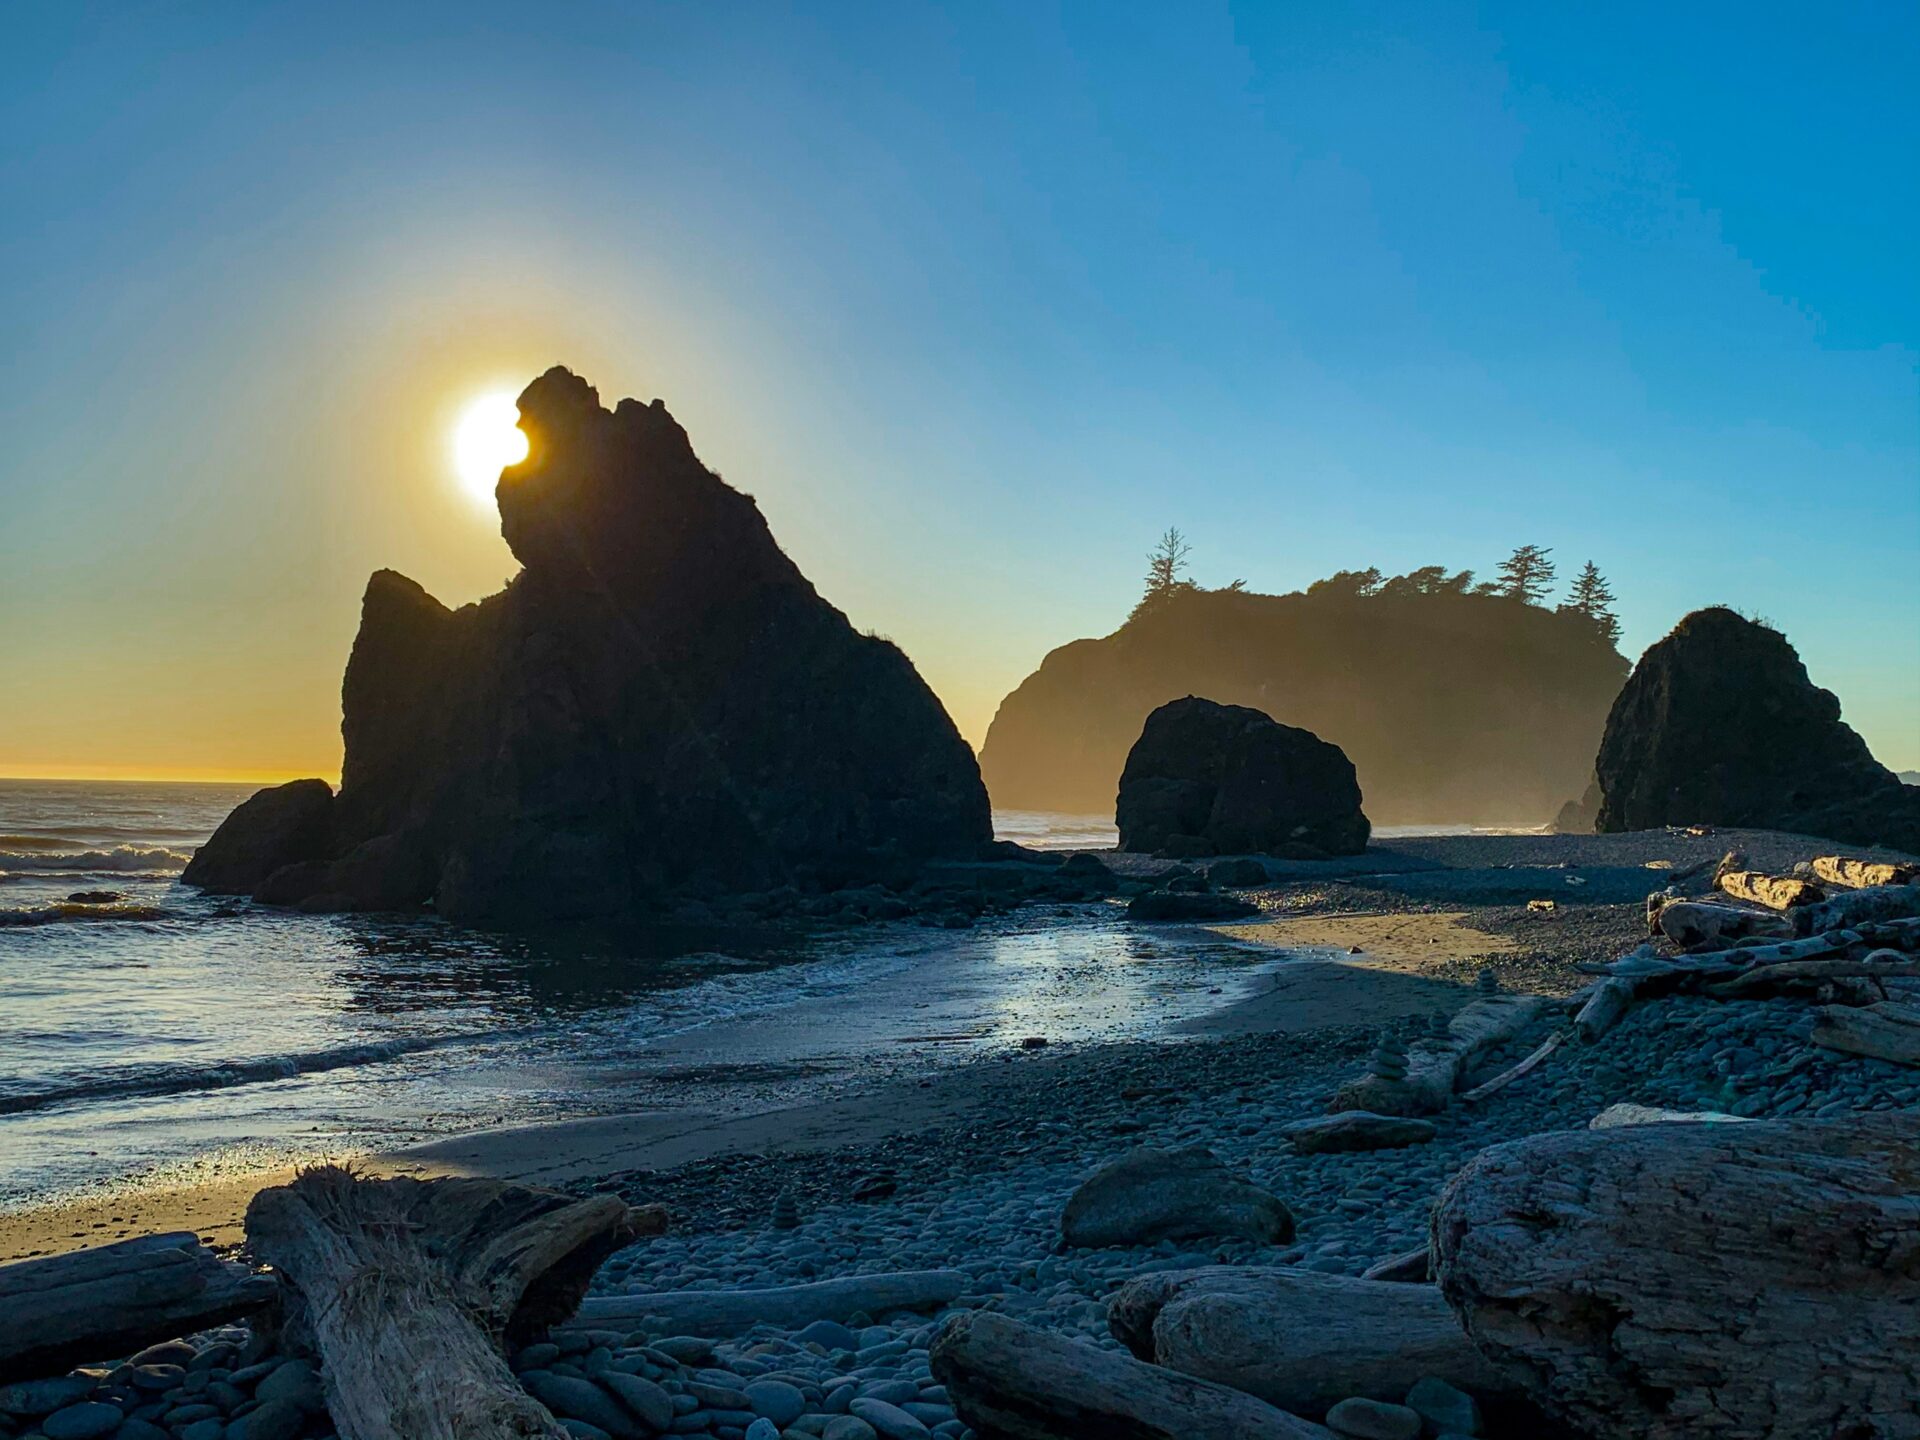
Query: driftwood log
[[1409, 1267], [407, 1289], [1860, 874], [1787, 974], [1880, 1032], [114, 1299], [1604, 1007], [1299, 1340], [1506, 1077], [1701, 922], [1013, 1380], [1434, 1066], [718, 1313], [1628, 1113], [1665, 1281], [1776, 892], [1854, 907]]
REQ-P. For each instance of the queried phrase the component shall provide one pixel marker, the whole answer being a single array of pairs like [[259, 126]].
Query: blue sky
[[976, 300]]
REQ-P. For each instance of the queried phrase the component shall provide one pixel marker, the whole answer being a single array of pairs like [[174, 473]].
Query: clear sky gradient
[[975, 299]]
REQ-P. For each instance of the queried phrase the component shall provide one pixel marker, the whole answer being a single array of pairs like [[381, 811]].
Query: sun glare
[[486, 440]]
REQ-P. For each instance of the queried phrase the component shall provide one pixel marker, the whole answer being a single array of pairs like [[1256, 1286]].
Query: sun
[[486, 439]]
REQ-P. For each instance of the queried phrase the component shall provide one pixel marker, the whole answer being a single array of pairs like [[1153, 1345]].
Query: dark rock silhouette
[[1454, 707], [1720, 725], [1578, 817], [1235, 781], [283, 825], [659, 701]]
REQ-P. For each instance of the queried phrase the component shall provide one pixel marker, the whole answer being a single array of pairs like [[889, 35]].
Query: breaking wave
[[179, 1079], [121, 860]]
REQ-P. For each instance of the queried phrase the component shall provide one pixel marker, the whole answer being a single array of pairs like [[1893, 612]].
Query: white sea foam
[[179, 1079], [121, 860]]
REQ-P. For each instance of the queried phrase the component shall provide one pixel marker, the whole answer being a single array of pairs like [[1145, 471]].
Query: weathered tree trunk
[[1610, 1000], [1296, 1339], [716, 1313], [1701, 922], [1012, 1380], [1434, 1066], [1513, 1072], [1787, 974], [1776, 892], [408, 1288], [1667, 1282], [1860, 874], [114, 1299], [1882, 1032], [1627, 1113], [1878, 902]]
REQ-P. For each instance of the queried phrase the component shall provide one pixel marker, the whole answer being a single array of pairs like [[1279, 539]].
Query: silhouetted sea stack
[[1207, 779], [659, 699], [1454, 708], [1720, 725]]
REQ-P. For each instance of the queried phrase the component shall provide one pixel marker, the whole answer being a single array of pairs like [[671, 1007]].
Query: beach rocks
[[1361, 1419], [1169, 905], [1151, 1194], [1444, 1408], [28, 1398], [1235, 781], [1719, 724], [88, 1420], [1357, 1130], [579, 1399], [659, 699], [647, 1399], [283, 825], [1240, 874]]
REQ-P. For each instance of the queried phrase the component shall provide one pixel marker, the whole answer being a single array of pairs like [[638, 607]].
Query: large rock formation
[[1226, 780], [283, 825], [1455, 708], [1720, 725], [658, 699]]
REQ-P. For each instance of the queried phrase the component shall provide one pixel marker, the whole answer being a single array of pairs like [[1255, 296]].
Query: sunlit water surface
[[166, 1031]]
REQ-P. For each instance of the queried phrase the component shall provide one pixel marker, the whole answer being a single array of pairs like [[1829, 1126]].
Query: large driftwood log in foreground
[[1859, 874], [407, 1288], [1776, 892], [1434, 1066], [718, 1313], [1013, 1380], [1666, 1282], [1298, 1340], [113, 1299]]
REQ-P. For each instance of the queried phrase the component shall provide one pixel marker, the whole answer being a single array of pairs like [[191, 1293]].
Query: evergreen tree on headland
[[1592, 598], [1166, 564], [1526, 575]]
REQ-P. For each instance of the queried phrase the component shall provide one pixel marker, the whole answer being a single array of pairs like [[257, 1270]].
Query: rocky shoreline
[[983, 1195]]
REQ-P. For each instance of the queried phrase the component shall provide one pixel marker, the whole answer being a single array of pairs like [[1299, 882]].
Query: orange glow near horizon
[[156, 774]]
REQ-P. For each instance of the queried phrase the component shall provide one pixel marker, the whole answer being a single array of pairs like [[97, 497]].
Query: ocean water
[[149, 1031]]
